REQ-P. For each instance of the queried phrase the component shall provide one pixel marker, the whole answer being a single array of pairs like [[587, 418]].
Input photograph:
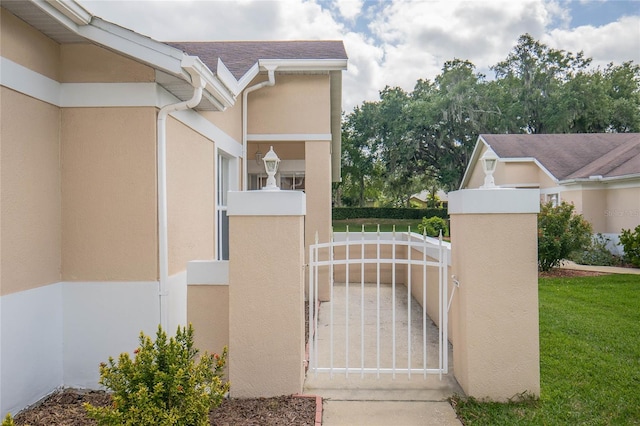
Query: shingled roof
[[574, 156], [240, 56]]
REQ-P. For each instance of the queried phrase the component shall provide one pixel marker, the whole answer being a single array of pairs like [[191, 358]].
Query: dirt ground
[[567, 273], [65, 408]]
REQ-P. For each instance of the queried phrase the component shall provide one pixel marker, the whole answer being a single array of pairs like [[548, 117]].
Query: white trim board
[[68, 95], [497, 200], [266, 203], [288, 137], [31, 346], [56, 335]]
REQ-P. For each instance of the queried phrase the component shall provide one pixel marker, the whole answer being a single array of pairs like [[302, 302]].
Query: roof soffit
[[64, 24]]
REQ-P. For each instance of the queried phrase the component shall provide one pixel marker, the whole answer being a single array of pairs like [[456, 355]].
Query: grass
[[371, 225], [589, 358]]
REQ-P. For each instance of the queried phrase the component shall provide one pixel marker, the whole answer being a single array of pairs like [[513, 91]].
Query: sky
[[394, 42]]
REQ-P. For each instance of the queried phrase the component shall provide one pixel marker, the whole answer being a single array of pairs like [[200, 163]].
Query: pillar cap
[[266, 203], [495, 200]]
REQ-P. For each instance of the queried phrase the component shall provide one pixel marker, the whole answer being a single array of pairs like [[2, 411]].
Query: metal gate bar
[[411, 243]]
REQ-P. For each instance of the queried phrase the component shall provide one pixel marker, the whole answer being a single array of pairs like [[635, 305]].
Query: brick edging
[[318, 420]]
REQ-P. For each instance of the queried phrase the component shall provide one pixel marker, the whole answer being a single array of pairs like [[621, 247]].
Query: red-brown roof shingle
[[574, 156], [240, 56]]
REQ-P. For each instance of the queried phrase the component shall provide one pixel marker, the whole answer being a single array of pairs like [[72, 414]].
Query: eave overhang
[[66, 21]]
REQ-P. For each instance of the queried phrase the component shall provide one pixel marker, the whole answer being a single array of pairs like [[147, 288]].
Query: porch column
[[318, 189], [266, 293], [495, 312]]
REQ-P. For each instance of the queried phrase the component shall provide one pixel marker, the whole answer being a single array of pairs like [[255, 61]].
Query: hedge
[[343, 213]]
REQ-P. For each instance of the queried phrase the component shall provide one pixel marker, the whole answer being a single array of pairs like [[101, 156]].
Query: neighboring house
[[598, 173], [421, 199], [105, 195]]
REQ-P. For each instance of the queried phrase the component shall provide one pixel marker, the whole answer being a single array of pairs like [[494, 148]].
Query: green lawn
[[589, 357]]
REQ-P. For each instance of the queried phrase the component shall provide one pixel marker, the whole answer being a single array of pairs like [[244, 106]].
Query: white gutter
[[272, 81], [163, 249]]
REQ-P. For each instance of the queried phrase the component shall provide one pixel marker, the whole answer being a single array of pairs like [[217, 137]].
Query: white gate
[[378, 316]]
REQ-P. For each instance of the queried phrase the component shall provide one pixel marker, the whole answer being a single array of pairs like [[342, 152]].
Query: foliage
[[373, 225], [589, 369], [342, 213], [163, 384], [630, 241], [596, 253], [8, 420], [560, 232], [405, 141], [362, 173], [433, 226]]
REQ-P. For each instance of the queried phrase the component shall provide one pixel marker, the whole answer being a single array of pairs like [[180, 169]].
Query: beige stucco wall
[[29, 193], [229, 121], [109, 213], [608, 209], [623, 209], [370, 270], [432, 287], [190, 196], [297, 104], [28, 47], [594, 203], [318, 190], [208, 311], [88, 63], [495, 313], [511, 173], [284, 150], [266, 317]]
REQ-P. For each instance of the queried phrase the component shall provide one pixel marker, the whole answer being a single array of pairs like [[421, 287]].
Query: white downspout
[[163, 248], [270, 82]]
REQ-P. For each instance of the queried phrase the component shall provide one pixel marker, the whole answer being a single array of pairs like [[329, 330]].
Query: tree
[[406, 141], [532, 77], [361, 177], [623, 88], [399, 150]]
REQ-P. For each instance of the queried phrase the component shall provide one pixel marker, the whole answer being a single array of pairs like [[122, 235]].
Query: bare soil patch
[[64, 408]]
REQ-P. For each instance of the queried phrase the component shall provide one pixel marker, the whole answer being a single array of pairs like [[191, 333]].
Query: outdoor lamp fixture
[[489, 163], [271, 162]]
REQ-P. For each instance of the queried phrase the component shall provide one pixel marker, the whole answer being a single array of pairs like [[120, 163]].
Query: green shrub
[[630, 242], [163, 384], [596, 253], [345, 213], [560, 232], [432, 226], [8, 420]]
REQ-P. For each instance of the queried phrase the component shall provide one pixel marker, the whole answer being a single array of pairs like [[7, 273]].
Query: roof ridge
[[604, 164]]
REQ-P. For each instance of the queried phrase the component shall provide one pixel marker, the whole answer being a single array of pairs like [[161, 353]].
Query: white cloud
[[405, 40], [615, 42], [349, 9]]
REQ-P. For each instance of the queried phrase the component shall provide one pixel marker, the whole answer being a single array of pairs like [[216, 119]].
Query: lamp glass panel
[[490, 164]]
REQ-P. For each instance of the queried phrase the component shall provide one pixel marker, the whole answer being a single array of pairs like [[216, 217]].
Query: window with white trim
[[222, 220]]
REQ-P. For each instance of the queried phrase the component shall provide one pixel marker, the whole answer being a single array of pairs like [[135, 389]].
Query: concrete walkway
[[567, 264], [356, 399]]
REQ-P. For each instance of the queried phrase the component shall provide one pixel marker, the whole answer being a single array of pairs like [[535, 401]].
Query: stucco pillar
[[318, 189], [266, 293], [495, 318]]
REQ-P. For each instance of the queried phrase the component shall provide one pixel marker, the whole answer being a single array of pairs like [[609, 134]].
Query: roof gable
[[240, 56], [574, 156]]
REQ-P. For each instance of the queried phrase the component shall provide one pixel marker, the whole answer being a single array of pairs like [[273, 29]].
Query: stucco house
[[116, 155], [598, 173]]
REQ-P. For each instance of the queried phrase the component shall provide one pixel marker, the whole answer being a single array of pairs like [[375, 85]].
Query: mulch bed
[[568, 273], [64, 408]]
